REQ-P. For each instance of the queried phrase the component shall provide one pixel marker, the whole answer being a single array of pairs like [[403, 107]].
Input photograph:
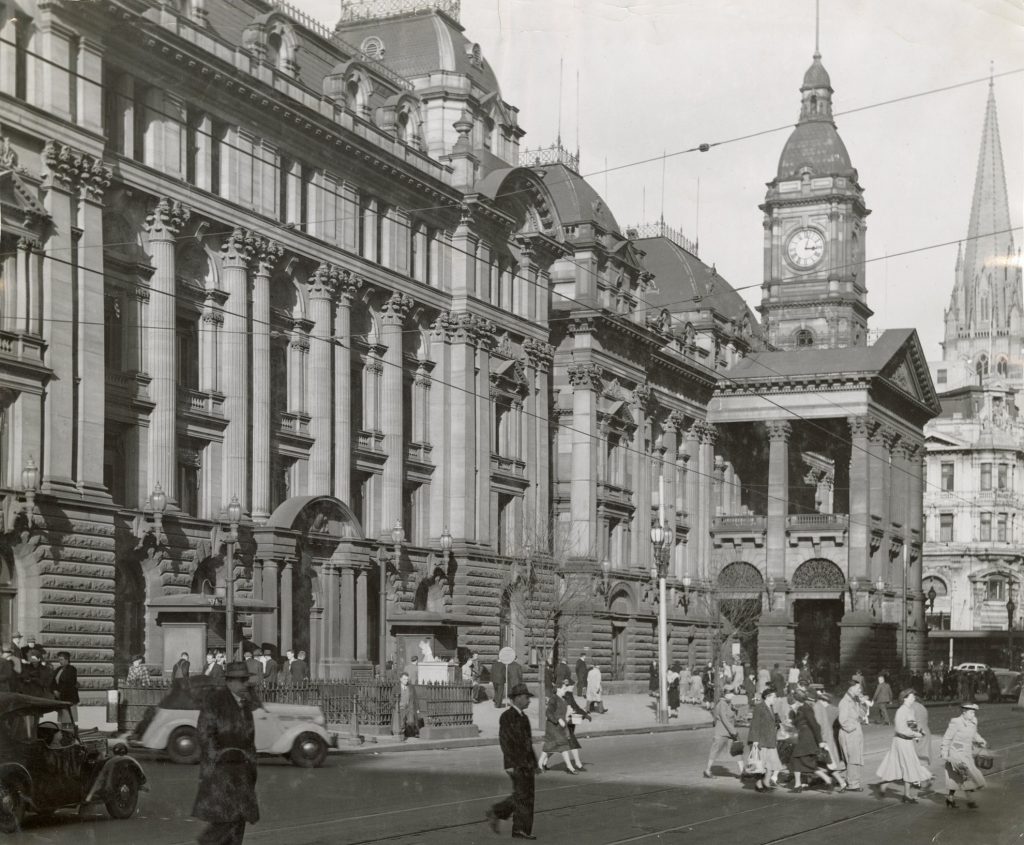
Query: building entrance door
[[817, 636], [618, 669]]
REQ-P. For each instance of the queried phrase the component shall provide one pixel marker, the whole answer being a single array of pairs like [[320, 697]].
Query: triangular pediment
[[907, 371], [20, 199]]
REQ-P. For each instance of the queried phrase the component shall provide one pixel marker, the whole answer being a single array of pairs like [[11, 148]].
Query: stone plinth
[[432, 672]]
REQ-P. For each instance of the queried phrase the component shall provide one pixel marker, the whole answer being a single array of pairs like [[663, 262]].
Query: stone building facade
[[312, 270], [972, 498]]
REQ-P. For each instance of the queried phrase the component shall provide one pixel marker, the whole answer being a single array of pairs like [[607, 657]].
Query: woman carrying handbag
[[959, 745], [576, 714], [761, 738]]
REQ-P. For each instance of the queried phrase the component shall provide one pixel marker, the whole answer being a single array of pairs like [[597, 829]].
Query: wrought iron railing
[[555, 154], [661, 230], [359, 10]]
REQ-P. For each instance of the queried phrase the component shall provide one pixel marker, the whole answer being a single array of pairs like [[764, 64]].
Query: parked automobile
[[972, 667], [297, 732], [1009, 684], [45, 764]]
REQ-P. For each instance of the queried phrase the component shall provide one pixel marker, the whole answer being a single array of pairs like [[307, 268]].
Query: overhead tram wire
[[335, 339]]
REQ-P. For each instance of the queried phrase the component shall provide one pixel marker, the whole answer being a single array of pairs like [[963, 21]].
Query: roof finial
[[991, 73], [817, 28]]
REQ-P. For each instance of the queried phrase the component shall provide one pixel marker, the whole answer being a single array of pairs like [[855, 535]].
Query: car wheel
[[309, 751], [183, 746], [123, 794], [12, 807]]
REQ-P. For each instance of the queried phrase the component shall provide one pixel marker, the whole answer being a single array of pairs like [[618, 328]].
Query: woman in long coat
[[226, 798], [804, 760], [958, 745], [901, 763], [556, 730], [672, 682], [826, 714], [574, 715], [762, 737], [594, 690]]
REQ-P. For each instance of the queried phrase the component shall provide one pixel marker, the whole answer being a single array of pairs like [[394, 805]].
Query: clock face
[[806, 248]]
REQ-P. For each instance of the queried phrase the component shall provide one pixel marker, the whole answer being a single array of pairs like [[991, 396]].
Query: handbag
[[736, 749], [984, 760], [755, 763], [824, 758]]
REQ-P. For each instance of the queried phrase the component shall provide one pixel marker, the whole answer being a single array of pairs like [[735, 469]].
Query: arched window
[[981, 368], [373, 47], [1002, 367], [129, 615], [804, 338], [932, 583]]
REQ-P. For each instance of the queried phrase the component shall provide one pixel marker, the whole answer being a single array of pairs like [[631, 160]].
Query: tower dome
[[816, 76]]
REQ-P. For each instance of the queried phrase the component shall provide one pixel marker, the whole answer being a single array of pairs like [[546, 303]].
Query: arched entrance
[[130, 618], [818, 586], [8, 600], [621, 610], [738, 608]]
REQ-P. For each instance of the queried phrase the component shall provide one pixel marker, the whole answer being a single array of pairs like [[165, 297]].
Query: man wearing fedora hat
[[516, 739], [226, 798]]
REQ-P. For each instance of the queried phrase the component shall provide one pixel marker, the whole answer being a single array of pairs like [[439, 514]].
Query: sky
[[657, 77]]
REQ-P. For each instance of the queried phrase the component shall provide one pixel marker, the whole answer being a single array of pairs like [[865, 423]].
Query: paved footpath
[[625, 714]]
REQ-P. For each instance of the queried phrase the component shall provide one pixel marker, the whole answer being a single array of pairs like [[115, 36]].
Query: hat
[[236, 669], [519, 689], [856, 679], [16, 635], [135, 657], [968, 705], [905, 692]]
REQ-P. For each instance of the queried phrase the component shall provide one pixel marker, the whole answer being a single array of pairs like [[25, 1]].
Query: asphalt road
[[642, 788]]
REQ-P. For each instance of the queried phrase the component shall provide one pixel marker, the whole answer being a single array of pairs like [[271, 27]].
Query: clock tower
[[814, 293]]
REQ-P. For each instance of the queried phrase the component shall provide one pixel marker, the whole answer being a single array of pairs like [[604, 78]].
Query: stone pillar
[[265, 257], [348, 286], [643, 554], [272, 627], [236, 253], [286, 606], [163, 225], [393, 315], [586, 383], [361, 611], [861, 429], [323, 286], [485, 418], [335, 614], [258, 619], [697, 542], [538, 449], [878, 501], [779, 432], [705, 469], [462, 445], [348, 610]]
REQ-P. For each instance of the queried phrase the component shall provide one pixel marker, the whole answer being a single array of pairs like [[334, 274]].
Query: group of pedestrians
[[25, 668], [262, 666]]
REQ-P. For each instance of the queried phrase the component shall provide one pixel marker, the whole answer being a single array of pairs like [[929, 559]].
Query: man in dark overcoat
[[180, 672], [513, 675], [498, 679], [516, 740], [562, 673], [65, 685], [226, 798], [581, 674]]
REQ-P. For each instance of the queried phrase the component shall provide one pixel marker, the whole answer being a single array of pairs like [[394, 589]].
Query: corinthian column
[[779, 432], [393, 316], [236, 253], [265, 255], [348, 285], [323, 285], [163, 225]]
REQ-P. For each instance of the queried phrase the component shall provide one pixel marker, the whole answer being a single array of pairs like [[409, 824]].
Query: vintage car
[[295, 731], [45, 764]]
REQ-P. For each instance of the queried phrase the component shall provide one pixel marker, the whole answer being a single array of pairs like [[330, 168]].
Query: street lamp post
[[397, 537], [906, 609], [234, 515], [660, 542]]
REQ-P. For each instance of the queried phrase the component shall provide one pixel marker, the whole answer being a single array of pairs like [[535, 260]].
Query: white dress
[[902, 762]]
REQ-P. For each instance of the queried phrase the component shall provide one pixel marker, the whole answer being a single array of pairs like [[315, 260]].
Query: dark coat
[[214, 671], [227, 763], [298, 670], [763, 726], [779, 683], [808, 731], [404, 717], [497, 673], [65, 684], [516, 740], [270, 672], [180, 671], [581, 673], [556, 736], [513, 674], [36, 679], [562, 673], [8, 679]]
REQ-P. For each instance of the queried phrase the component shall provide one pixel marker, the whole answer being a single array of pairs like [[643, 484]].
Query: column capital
[[167, 218], [709, 434], [396, 309], [675, 422], [779, 431], [71, 170], [863, 426], [323, 283], [539, 354], [643, 398], [238, 248], [586, 376], [265, 255], [455, 327]]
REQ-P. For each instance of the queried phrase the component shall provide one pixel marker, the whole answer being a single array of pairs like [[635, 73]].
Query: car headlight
[[320, 719]]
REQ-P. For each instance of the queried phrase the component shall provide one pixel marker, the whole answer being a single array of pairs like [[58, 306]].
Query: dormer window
[[804, 338], [373, 47]]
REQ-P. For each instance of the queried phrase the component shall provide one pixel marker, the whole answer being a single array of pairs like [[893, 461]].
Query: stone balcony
[[502, 465], [192, 401], [370, 441], [21, 359], [418, 453], [130, 386], [743, 529], [816, 527]]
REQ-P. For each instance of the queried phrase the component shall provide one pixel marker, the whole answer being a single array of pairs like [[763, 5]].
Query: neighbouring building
[[973, 496], [310, 274]]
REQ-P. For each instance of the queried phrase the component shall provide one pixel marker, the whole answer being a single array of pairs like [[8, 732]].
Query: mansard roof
[[577, 201]]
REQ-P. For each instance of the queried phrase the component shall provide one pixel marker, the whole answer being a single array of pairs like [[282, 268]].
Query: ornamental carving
[[265, 255], [740, 576], [539, 354], [396, 309], [643, 398], [167, 218], [587, 376], [324, 282], [862, 426], [75, 170], [675, 423], [779, 431], [9, 158], [708, 434], [239, 247], [818, 574]]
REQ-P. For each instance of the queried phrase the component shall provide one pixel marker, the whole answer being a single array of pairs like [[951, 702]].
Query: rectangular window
[[112, 333], [73, 49], [218, 136], [995, 589], [986, 476], [986, 528], [193, 120], [306, 199], [948, 477], [1002, 477], [21, 35], [946, 528], [940, 376], [1001, 528], [187, 353], [283, 194], [140, 121]]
